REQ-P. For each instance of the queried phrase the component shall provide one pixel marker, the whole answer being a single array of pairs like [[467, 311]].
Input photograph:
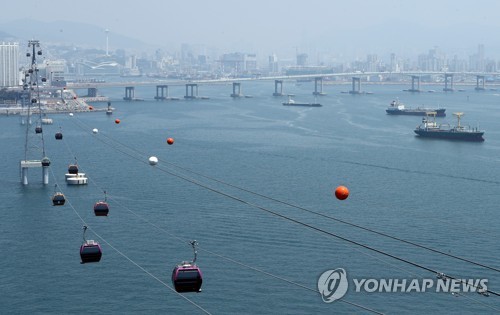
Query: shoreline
[[6, 111]]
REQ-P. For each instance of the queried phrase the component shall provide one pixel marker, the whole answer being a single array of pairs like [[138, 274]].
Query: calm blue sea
[[437, 193]]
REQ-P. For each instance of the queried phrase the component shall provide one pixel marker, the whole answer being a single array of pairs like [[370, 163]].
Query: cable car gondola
[[90, 251], [101, 208], [59, 135], [187, 276], [38, 129], [73, 169], [58, 199]]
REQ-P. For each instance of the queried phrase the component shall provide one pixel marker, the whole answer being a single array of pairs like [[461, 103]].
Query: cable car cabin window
[[187, 275], [90, 250], [101, 207]]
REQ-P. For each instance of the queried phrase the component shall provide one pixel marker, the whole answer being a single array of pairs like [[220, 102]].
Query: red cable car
[[101, 208], [58, 199]]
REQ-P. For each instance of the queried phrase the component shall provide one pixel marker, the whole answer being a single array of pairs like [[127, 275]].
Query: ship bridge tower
[[34, 146]]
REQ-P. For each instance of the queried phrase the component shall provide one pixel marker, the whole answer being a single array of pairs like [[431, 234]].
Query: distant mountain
[[6, 37], [65, 32]]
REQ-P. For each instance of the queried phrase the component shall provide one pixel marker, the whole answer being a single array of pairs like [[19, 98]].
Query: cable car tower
[[34, 143]]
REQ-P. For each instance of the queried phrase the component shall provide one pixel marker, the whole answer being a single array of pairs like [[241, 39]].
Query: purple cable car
[[90, 251], [187, 276]]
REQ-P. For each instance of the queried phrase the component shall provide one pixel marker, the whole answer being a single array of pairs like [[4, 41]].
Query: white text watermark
[[333, 285]]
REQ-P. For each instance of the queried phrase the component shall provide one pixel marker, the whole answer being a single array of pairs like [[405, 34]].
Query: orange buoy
[[117, 121], [170, 140], [91, 107], [341, 192]]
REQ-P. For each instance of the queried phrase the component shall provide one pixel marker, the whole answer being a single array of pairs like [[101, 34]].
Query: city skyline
[[344, 29]]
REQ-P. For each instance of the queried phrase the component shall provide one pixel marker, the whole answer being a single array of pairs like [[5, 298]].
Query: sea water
[[438, 193]]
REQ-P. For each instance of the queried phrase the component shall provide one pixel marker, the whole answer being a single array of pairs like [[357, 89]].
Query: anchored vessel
[[291, 102], [430, 129], [397, 108]]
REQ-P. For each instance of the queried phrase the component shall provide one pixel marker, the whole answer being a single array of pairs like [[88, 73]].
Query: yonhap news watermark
[[333, 285]]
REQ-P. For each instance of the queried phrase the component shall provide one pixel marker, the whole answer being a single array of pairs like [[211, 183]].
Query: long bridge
[[162, 87]]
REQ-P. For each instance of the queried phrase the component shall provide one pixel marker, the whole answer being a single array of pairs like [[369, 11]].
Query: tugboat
[[429, 129], [291, 102], [397, 108]]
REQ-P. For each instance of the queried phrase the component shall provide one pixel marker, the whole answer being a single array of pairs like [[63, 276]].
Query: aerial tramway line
[[31, 115], [141, 159], [284, 217]]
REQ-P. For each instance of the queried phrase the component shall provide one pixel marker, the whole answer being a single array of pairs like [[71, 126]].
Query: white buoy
[[153, 160], [95, 130], [71, 114]]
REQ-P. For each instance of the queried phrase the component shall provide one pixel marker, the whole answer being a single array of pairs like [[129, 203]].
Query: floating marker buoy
[[90, 107], [71, 114], [153, 160], [117, 121], [95, 130], [341, 192], [170, 140]]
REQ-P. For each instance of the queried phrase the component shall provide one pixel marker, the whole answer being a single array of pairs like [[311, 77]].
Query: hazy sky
[[339, 27]]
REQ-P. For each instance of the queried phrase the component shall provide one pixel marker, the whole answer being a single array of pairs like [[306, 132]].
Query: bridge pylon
[[276, 84], [129, 93], [448, 82], [356, 86], [193, 88], [479, 83], [413, 79], [162, 92], [236, 86], [318, 80]]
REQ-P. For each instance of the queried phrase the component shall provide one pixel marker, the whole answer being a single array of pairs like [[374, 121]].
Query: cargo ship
[[430, 129], [397, 108], [291, 102]]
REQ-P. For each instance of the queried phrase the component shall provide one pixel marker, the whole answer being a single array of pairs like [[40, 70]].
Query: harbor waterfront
[[438, 193]]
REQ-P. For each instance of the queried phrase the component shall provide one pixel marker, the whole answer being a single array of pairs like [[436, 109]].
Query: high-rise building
[[273, 64], [238, 63], [9, 64], [302, 60], [480, 57]]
